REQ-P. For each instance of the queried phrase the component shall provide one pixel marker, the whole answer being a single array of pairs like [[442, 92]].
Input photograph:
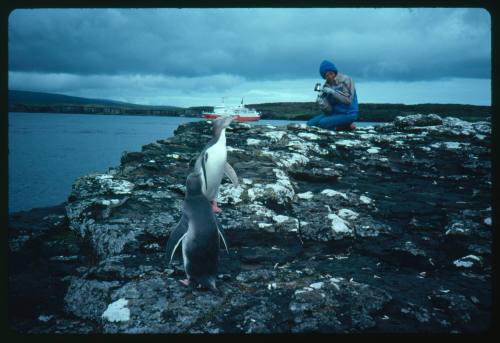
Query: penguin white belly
[[214, 168]]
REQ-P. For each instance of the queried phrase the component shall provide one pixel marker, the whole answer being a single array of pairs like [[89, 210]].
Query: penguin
[[212, 162], [198, 234]]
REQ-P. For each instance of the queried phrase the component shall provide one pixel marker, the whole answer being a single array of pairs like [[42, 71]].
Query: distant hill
[[24, 101], [39, 98], [373, 112]]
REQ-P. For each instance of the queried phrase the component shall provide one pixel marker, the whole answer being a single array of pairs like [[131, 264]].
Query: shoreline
[[37, 102], [371, 112], [176, 116]]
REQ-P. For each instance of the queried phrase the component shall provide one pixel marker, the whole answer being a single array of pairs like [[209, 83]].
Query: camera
[[317, 87]]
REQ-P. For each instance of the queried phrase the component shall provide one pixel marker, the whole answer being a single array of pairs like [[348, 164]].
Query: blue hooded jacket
[[352, 108], [339, 108]]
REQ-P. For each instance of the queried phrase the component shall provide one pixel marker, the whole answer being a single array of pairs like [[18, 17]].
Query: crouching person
[[337, 100]]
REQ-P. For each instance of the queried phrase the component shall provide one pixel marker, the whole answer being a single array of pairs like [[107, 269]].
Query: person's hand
[[328, 90]]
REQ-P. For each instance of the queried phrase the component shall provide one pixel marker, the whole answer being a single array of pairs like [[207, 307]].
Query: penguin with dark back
[[197, 229], [199, 234]]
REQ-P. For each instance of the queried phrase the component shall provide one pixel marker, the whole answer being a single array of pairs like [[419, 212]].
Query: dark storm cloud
[[256, 44]]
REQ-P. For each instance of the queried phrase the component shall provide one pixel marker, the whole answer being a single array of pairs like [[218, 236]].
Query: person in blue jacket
[[337, 100]]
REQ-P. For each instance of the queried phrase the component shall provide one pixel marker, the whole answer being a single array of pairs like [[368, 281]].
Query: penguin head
[[221, 123], [193, 184]]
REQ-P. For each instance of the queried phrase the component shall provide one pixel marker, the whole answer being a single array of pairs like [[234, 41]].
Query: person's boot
[[345, 127]]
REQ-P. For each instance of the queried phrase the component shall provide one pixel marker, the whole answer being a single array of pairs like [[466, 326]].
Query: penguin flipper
[[221, 235], [200, 166], [231, 174], [176, 237], [204, 159], [223, 239]]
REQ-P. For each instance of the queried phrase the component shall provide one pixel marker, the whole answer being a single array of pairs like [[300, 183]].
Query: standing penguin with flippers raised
[[198, 232], [212, 162]]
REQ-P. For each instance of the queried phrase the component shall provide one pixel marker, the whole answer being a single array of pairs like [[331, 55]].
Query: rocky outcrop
[[382, 229]]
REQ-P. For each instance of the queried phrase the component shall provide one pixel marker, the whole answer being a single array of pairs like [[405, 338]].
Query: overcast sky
[[192, 57]]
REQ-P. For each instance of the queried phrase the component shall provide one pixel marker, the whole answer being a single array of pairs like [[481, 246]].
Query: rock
[[117, 311], [259, 318], [461, 309], [325, 174], [252, 276], [418, 120], [88, 299], [469, 262], [403, 208], [419, 313], [30, 226], [337, 305]]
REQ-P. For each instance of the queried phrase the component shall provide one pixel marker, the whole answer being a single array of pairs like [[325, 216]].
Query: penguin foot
[[185, 282], [215, 208]]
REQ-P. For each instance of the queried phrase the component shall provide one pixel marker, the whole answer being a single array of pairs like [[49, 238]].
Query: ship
[[240, 112]]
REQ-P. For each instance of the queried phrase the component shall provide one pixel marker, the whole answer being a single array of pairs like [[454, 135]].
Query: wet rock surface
[[381, 229]]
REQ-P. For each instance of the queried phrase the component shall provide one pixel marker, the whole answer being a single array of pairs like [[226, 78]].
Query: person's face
[[329, 76]]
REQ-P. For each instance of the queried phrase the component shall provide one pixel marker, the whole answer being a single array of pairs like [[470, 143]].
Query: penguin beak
[[231, 118], [227, 121]]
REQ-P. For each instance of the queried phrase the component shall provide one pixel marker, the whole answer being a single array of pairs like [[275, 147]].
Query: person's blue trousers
[[330, 121]]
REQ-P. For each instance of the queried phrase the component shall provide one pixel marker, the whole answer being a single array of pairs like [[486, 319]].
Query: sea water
[[49, 151]]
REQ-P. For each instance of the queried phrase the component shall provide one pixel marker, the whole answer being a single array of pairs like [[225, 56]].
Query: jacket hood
[[327, 66]]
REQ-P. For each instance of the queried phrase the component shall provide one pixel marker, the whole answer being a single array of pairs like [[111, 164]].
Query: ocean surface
[[49, 151]]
